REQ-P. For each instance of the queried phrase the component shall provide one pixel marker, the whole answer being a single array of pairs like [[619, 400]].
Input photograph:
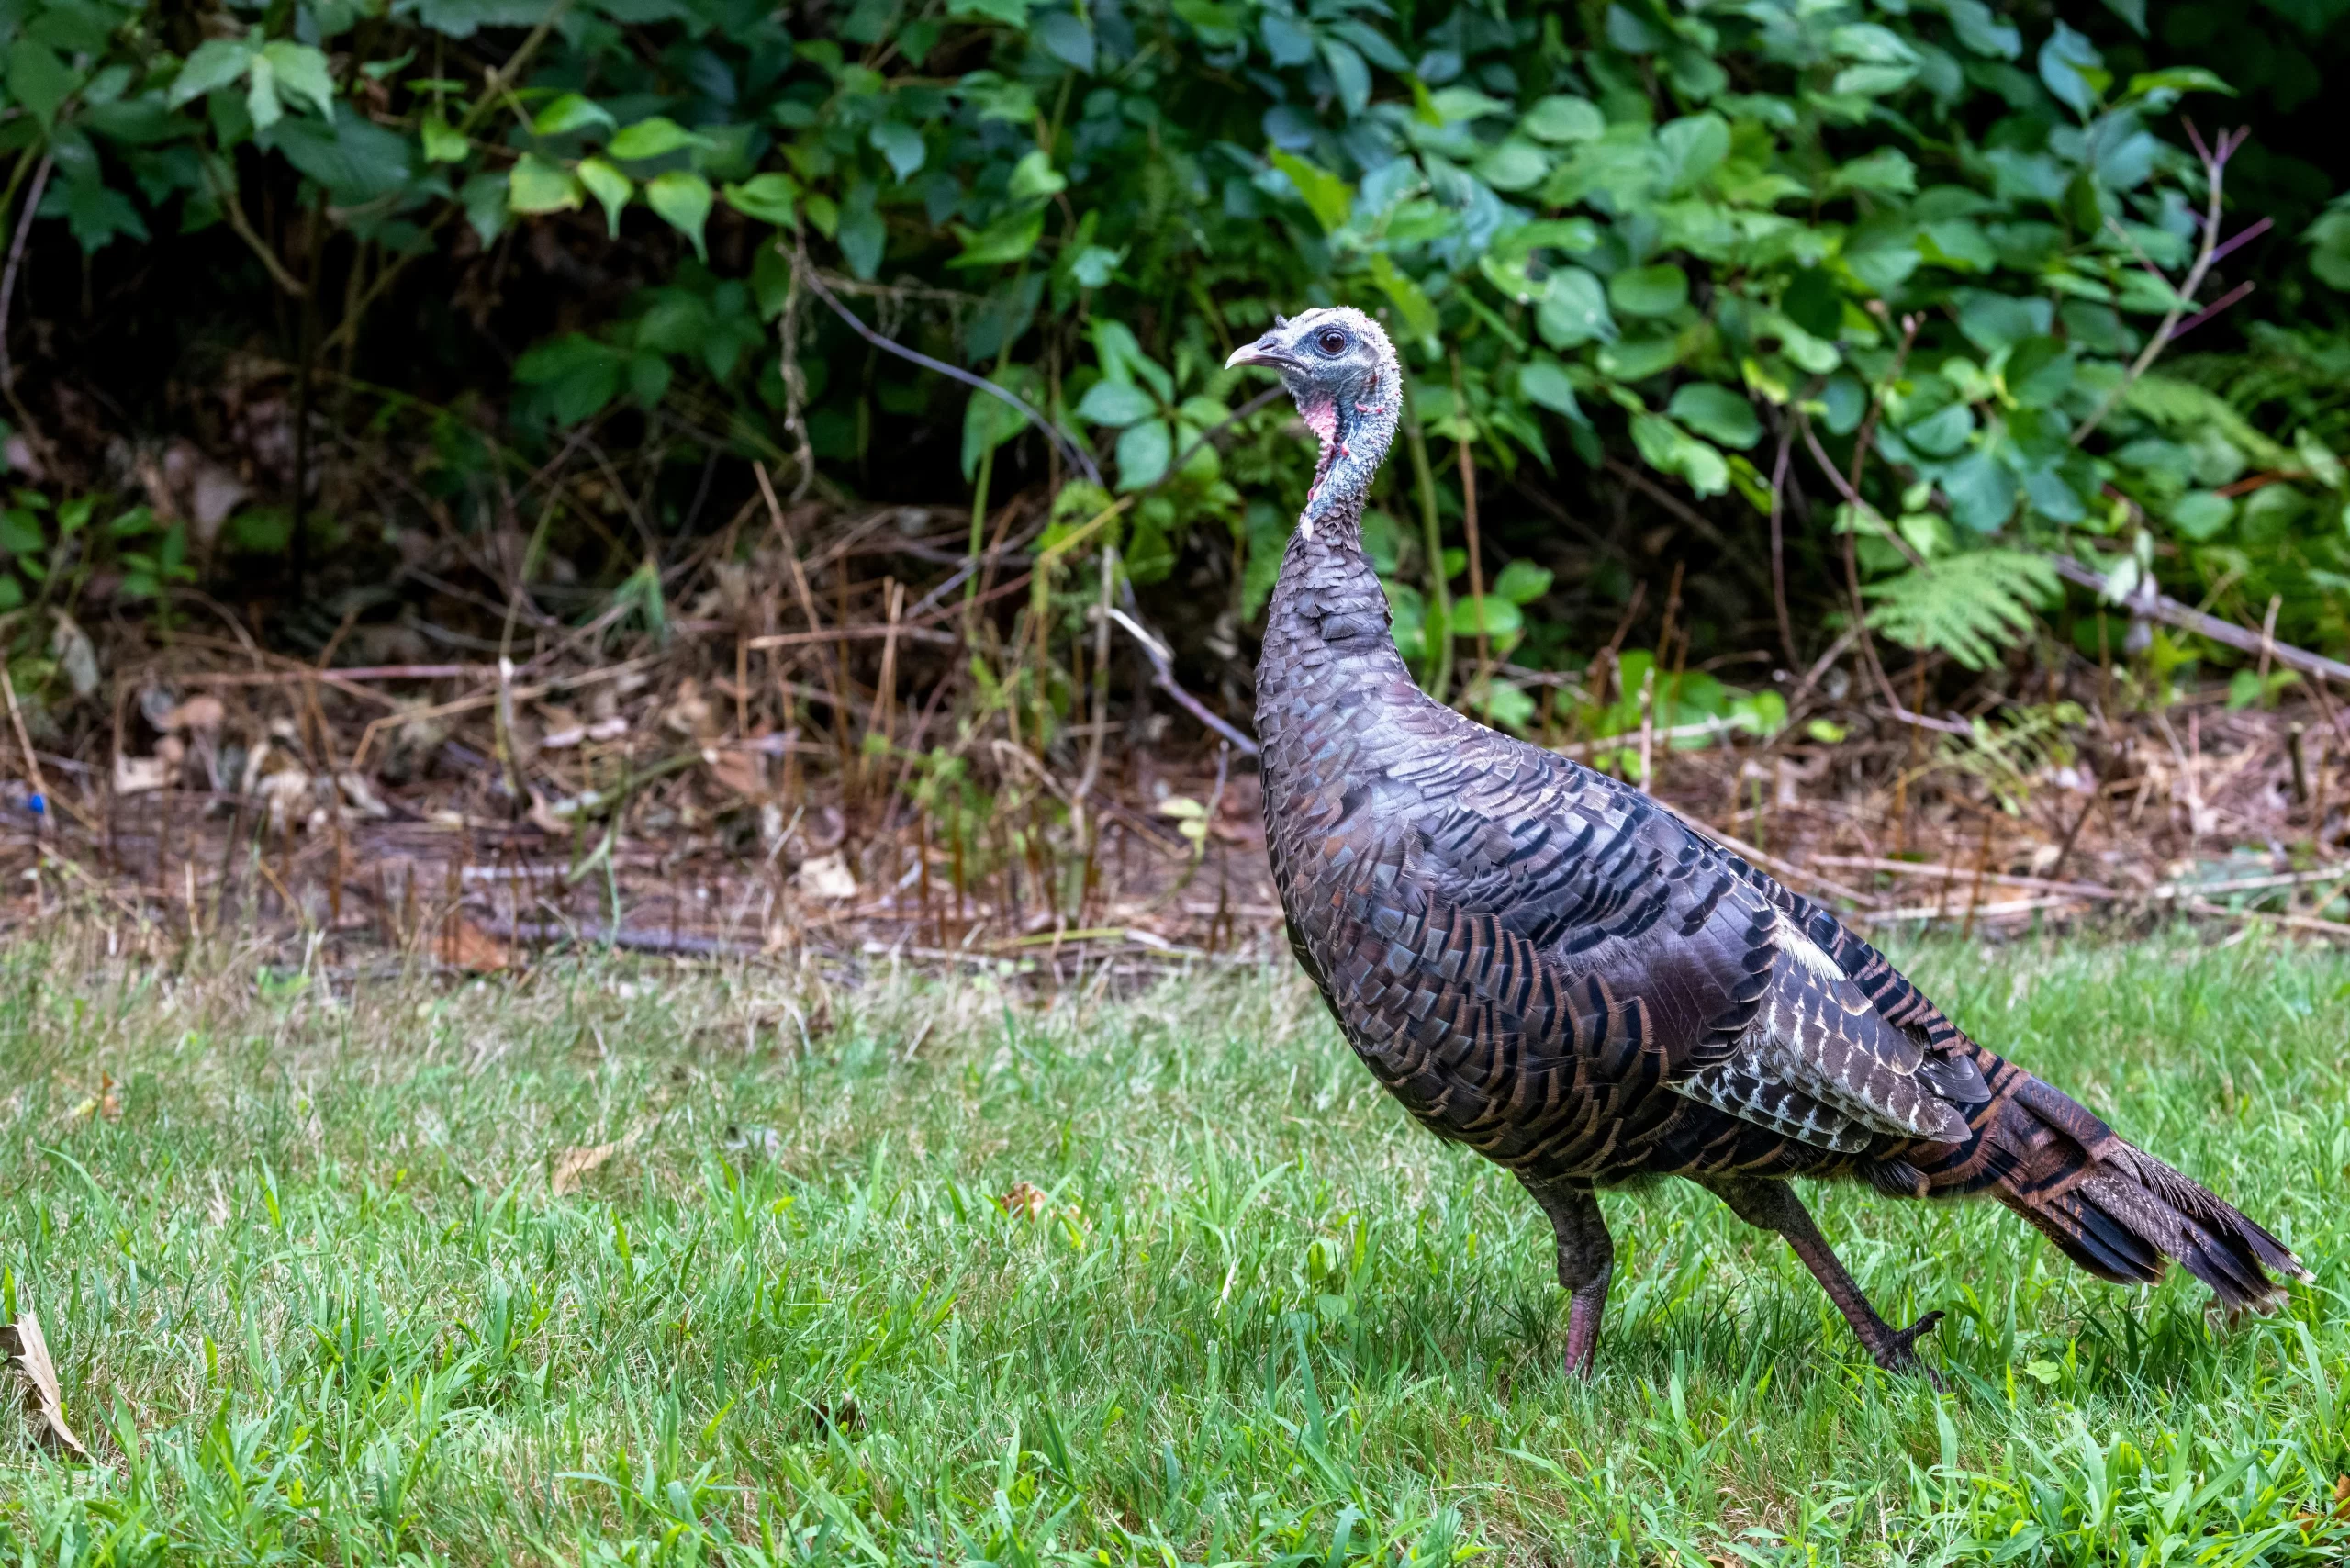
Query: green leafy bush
[[1922, 246]]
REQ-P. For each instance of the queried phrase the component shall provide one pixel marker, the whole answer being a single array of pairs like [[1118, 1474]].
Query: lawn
[[632, 1262]]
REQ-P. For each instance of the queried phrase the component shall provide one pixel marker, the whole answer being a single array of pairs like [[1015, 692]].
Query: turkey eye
[[1333, 341]]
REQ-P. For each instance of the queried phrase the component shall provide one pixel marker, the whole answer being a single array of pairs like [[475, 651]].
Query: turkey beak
[[1265, 351]]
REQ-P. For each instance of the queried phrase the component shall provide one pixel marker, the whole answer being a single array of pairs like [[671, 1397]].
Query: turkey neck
[[1327, 628]]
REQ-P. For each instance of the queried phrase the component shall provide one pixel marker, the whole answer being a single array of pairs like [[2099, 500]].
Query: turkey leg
[[1773, 1205], [1586, 1262]]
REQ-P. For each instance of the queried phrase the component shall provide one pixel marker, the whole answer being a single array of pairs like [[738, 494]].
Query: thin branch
[[2162, 607], [224, 192], [1778, 545], [2238, 292], [16, 257], [1163, 677], [7, 298], [2215, 167], [1077, 457]]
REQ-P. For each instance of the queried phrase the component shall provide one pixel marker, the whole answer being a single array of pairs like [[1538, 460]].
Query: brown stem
[[1778, 545], [2215, 167], [1469, 528]]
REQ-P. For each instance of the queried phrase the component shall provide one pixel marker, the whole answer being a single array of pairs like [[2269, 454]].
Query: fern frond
[[1972, 607]]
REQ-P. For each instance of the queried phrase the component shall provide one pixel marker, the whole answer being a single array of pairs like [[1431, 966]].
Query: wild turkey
[[1543, 963]]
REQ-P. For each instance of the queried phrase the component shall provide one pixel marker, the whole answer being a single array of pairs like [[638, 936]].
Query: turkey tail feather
[[2109, 1205]]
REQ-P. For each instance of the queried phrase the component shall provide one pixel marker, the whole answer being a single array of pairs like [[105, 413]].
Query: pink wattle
[[1321, 417]]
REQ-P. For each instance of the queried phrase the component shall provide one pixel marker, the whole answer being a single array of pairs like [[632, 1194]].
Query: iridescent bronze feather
[[1543, 963]]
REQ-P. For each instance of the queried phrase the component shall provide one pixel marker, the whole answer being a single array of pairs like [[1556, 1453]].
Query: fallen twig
[[1163, 677], [2158, 605]]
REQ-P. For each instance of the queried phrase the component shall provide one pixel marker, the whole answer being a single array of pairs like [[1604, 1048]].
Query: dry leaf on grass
[[200, 713], [826, 876], [106, 1103], [574, 1165], [1025, 1201], [2341, 1509], [28, 1353], [741, 773], [467, 947]]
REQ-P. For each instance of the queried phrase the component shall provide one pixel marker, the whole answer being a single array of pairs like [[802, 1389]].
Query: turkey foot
[[1773, 1205], [1895, 1352], [1586, 1262]]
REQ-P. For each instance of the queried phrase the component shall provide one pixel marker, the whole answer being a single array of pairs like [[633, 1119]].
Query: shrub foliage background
[[1642, 257]]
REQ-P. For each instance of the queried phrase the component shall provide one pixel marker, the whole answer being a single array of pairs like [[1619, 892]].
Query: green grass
[[313, 1298]]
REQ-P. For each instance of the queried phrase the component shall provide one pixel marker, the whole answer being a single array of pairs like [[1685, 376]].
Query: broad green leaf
[[38, 80], [988, 422], [1515, 166], [1412, 307], [1872, 81], [1873, 44], [766, 199], [1010, 13], [1694, 148], [1350, 72], [2039, 372], [1886, 171], [1034, 176], [1994, 322], [1670, 450], [1656, 290], [1328, 198], [302, 73], [1715, 412], [1117, 404], [578, 374], [1523, 582], [1218, 25], [901, 144], [1453, 104], [355, 158], [1545, 380], [682, 198], [442, 145], [1008, 240], [654, 138], [1068, 38], [1576, 236], [1491, 615], [2071, 67], [1562, 120], [1144, 453], [261, 94], [1574, 311], [2202, 514], [1093, 266], [611, 188], [2178, 79], [1980, 29], [570, 113], [1941, 434], [1982, 492], [537, 185], [216, 63]]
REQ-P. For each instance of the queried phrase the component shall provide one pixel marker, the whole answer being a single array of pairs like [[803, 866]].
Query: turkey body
[[1542, 963]]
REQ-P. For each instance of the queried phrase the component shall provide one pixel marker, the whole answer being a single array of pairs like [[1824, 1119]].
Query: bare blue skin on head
[[1349, 386]]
